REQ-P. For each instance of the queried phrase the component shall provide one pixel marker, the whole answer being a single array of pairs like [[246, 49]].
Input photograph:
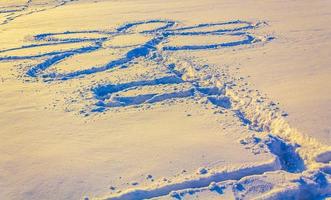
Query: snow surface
[[138, 99]]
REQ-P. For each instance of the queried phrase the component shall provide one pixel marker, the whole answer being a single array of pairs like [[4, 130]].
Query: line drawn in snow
[[236, 33], [11, 12]]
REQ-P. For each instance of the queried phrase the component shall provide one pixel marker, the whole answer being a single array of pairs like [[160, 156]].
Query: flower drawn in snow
[[90, 41]]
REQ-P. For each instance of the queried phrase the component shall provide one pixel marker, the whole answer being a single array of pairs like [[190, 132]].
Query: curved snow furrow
[[145, 99], [12, 9], [16, 13], [196, 182], [52, 36], [32, 46], [104, 91], [147, 50], [268, 186], [247, 40], [243, 25], [9, 13], [33, 72], [138, 52], [126, 27], [323, 157], [18, 7], [85, 49]]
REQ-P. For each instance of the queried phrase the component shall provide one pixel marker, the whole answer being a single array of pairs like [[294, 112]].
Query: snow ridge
[[227, 174]]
